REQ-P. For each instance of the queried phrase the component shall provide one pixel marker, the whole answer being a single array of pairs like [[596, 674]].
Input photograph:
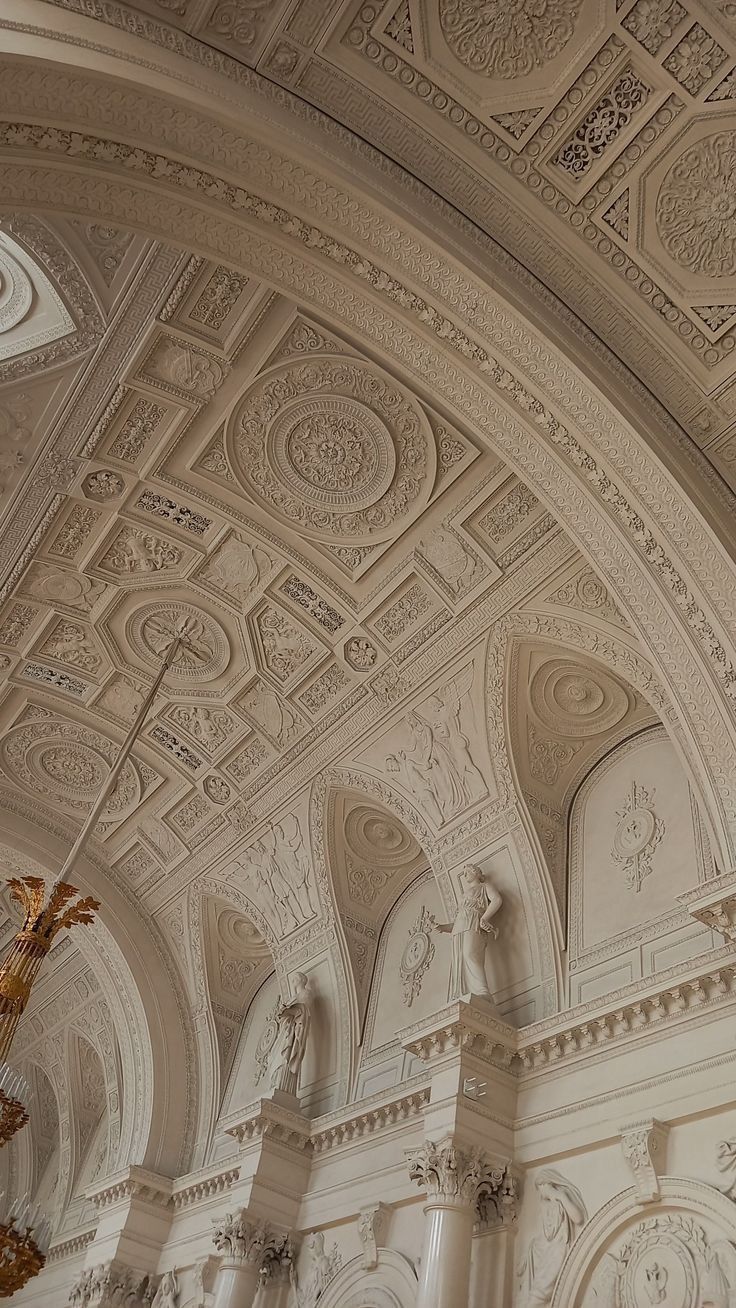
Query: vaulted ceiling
[[372, 583]]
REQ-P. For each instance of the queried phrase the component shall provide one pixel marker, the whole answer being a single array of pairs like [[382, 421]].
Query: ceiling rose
[[575, 701], [376, 837], [206, 653], [240, 936], [507, 38], [67, 764], [334, 448]]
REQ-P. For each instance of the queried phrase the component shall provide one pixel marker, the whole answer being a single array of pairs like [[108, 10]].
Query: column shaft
[[448, 1238], [237, 1284]]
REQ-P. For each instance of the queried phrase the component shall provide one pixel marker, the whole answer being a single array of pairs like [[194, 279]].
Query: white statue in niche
[[563, 1215], [479, 903], [290, 1044]]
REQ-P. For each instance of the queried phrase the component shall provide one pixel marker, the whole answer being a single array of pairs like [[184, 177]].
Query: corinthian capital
[[455, 1175], [240, 1238]]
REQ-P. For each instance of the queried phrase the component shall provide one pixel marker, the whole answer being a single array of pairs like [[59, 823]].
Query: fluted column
[[455, 1179], [242, 1243]]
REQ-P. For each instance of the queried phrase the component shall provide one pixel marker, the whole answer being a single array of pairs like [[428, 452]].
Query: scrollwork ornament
[[507, 38], [454, 1175], [418, 954], [333, 448], [696, 207]]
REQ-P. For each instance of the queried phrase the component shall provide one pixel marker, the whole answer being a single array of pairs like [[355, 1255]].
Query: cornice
[[205, 1184], [131, 1183], [266, 1120], [76, 1244], [714, 904]]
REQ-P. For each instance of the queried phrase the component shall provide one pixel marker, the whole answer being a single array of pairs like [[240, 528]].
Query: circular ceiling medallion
[[68, 588], [333, 452], [696, 207], [377, 838], [67, 764], [240, 936], [206, 652], [333, 448], [507, 38], [16, 292], [575, 701]]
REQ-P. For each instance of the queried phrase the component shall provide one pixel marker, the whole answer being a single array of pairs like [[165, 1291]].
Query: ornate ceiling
[[411, 637], [593, 142]]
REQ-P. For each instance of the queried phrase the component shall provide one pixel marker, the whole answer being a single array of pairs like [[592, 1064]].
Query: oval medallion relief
[[333, 448], [696, 207]]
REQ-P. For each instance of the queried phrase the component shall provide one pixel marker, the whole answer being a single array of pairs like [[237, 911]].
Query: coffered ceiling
[[385, 621], [593, 141]]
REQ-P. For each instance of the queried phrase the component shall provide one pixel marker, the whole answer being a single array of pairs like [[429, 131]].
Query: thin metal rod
[[110, 781]]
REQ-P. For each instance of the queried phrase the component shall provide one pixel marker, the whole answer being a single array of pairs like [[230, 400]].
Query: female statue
[[167, 1294], [291, 1042], [480, 901], [563, 1215]]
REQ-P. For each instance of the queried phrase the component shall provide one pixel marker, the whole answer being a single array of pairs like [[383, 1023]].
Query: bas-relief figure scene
[[367, 654]]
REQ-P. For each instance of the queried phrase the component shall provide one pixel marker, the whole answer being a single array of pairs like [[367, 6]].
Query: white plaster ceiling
[[356, 562]]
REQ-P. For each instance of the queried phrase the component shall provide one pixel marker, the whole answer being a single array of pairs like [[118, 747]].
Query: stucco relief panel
[[333, 448], [437, 753], [492, 54]]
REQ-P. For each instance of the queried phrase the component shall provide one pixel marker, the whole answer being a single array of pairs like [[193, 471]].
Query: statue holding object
[[479, 903]]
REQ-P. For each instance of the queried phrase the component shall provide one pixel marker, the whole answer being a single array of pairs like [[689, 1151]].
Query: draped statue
[[479, 902], [563, 1216], [291, 1041]]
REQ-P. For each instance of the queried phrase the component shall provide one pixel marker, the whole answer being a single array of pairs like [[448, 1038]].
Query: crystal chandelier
[[23, 1237]]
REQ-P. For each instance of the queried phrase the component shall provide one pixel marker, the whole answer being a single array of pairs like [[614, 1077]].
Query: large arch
[[681, 1199], [392, 1283], [155, 163]]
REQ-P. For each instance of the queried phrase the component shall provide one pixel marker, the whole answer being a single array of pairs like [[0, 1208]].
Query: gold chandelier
[[24, 1237]]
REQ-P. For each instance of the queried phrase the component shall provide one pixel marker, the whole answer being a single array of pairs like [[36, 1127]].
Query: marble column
[[242, 1243], [455, 1180]]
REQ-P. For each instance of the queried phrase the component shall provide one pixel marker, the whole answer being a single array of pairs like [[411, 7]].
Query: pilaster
[[468, 1052], [133, 1220], [274, 1159]]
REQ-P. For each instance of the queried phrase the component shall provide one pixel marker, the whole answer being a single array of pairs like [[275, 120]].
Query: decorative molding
[[417, 955], [373, 1223], [644, 1147], [453, 1175]]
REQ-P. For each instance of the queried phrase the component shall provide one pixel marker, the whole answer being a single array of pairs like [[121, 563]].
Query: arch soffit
[[191, 932], [584, 637], [499, 819], [138, 978], [597, 474], [170, 53], [678, 1194]]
